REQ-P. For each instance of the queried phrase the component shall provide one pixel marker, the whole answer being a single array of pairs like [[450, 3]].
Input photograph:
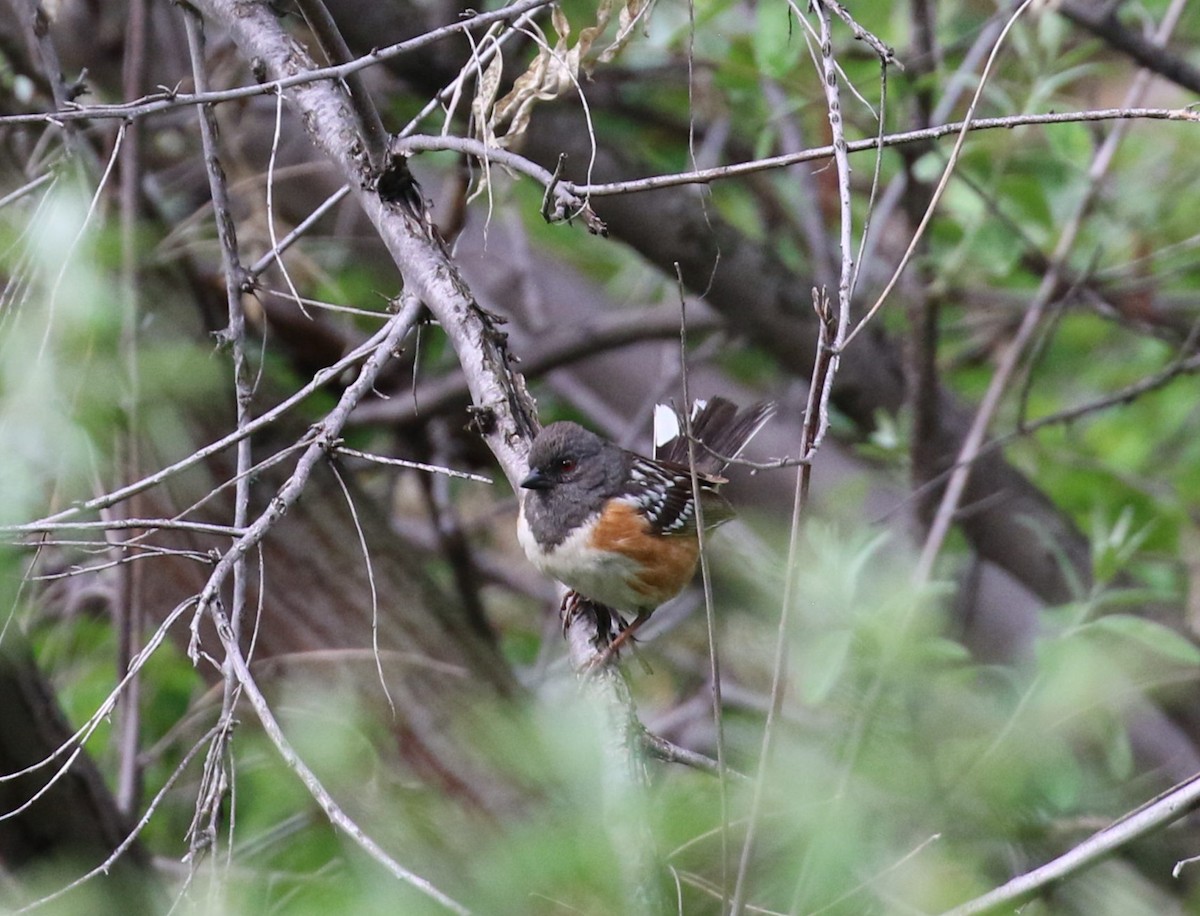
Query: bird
[[621, 529]]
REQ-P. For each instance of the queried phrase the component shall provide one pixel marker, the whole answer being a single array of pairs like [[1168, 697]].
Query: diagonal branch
[[165, 101], [1165, 809], [1101, 21], [1098, 169], [503, 411]]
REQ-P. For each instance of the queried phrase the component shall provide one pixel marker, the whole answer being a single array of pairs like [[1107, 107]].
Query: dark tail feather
[[721, 430]]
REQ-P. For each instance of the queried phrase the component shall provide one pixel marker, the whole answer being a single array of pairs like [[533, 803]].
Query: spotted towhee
[[618, 528]]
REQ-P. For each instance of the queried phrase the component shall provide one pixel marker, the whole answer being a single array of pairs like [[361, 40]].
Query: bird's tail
[[721, 431]]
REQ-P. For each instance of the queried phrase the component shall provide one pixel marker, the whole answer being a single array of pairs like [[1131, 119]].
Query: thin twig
[[319, 380], [119, 524], [662, 749], [414, 465], [925, 135], [967, 125], [869, 214], [104, 867], [1166, 808], [235, 336], [170, 99], [320, 794], [710, 615], [1007, 365], [831, 341], [27, 188], [309, 302], [150, 552], [864, 884], [278, 248], [370, 568]]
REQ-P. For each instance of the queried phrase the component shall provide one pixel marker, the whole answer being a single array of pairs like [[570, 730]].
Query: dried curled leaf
[[554, 71], [627, 19]]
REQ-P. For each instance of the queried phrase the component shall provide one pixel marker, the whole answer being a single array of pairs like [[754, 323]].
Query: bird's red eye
[[566, 465]]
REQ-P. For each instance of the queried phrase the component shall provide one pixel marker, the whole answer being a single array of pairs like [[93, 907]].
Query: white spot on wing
[[666, 425]]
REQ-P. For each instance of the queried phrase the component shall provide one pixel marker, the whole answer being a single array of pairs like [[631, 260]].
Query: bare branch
[[106, 866], [1168, 807], [973, 441], [704, 176], [831, 340], [662, 749], [414, 465], [318, 791], [319, 380], [1101, 20], [166, 101]]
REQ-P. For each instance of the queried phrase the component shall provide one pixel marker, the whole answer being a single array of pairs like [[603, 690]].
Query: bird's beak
[[536, 481]]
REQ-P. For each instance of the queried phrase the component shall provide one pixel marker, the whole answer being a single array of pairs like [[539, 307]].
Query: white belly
[[595, 575]]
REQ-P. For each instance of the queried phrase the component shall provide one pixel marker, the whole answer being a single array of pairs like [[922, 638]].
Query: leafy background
[[932, 740]]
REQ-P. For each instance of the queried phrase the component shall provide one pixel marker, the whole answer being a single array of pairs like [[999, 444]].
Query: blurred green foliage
[[907, 776]]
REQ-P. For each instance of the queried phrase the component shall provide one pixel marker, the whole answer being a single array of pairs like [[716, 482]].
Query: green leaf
[[821, 663], [1113, 547], [1118, 749], [945, 651], [1149, 635], [777, 43], [1060, 779]]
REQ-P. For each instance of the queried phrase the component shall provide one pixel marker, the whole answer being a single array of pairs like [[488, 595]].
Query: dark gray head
[[566, 453], [571, 473]]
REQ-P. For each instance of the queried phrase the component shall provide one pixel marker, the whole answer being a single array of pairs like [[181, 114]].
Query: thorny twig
[[886, 54]]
